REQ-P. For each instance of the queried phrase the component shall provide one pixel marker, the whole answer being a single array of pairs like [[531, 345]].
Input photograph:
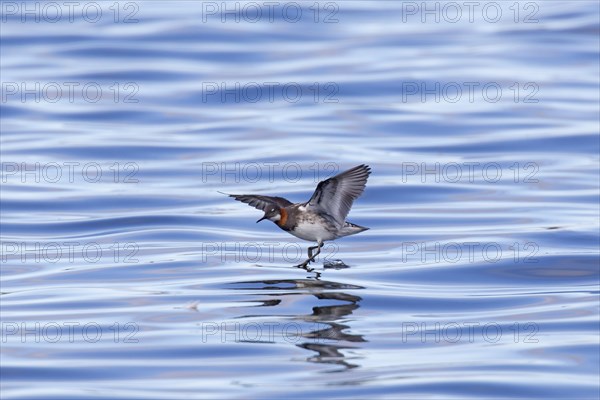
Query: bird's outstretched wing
[[335, 195], [261, 202]]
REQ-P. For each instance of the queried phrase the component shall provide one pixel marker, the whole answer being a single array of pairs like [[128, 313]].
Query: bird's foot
[[305, 266]]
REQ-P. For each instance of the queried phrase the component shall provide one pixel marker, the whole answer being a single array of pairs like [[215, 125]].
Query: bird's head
[[272, 214]]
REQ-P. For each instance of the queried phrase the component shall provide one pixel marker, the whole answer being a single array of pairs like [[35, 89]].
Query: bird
[[322, 217]]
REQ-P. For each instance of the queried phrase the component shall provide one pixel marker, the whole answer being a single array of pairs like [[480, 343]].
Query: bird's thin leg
[[310, 249], [319, 245], [311, 256], [318, 251]]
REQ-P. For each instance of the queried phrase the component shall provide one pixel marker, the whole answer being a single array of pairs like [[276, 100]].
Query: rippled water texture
[[125, 274]]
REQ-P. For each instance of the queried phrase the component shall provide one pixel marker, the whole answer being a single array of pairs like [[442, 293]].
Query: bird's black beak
[[264, 217]]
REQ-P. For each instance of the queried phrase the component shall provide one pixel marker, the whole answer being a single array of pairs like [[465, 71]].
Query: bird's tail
[[351, 229]]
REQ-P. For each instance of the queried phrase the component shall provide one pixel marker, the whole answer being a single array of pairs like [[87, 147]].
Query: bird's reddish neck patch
[[284, 216]]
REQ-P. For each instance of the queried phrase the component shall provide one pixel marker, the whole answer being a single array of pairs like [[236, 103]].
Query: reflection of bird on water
[[326, 340]]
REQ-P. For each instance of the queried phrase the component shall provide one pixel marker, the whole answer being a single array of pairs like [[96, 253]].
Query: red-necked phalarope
[[321, 218]]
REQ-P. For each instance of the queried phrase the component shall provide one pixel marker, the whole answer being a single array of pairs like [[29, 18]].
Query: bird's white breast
[[312, 232]]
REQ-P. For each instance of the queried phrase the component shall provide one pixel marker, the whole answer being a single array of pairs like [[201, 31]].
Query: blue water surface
[[126, 274]]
